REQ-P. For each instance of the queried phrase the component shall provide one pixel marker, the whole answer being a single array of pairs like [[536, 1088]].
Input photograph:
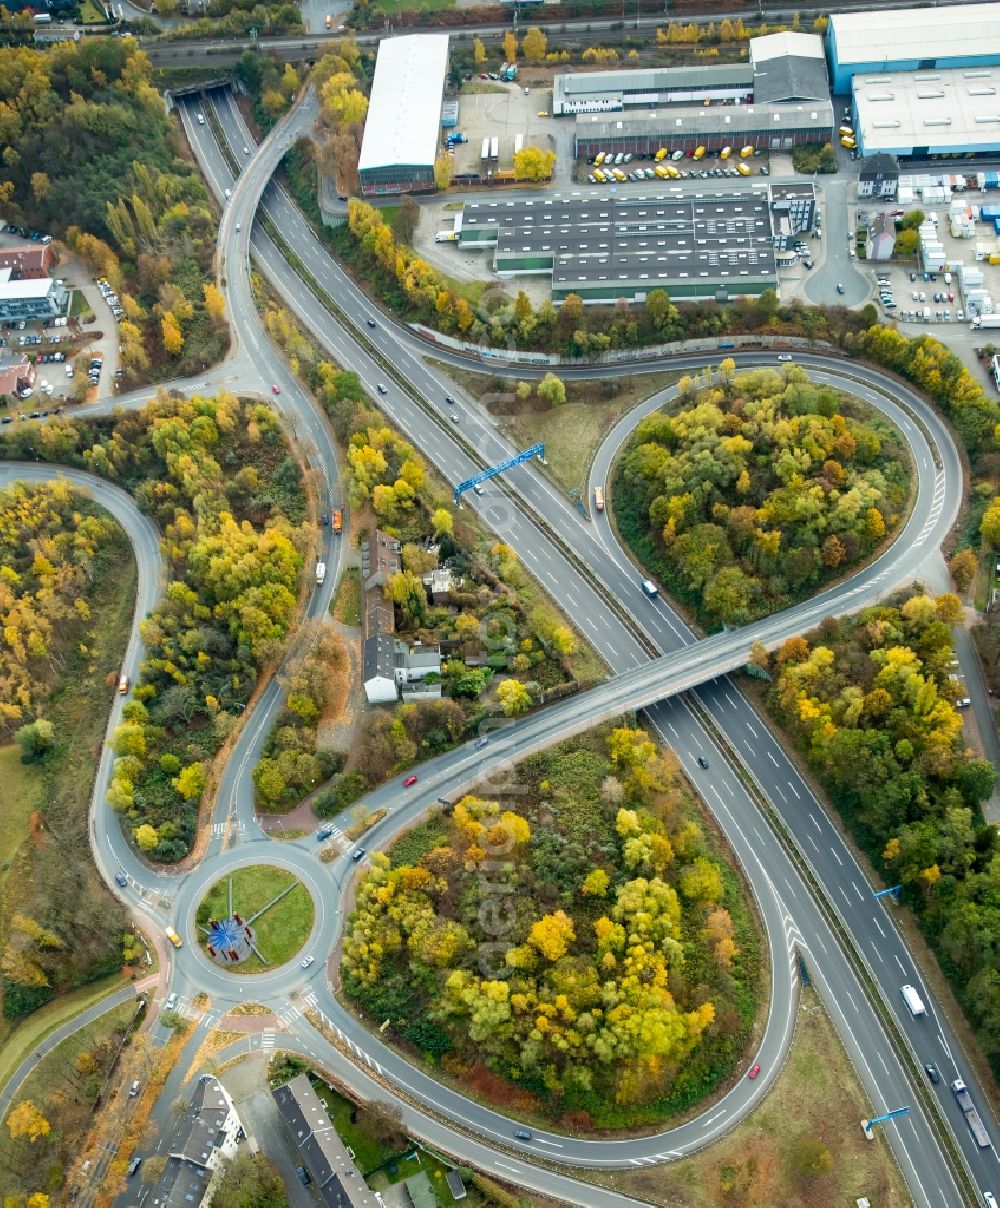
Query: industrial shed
[[911, 39], [402, 132], [920, 114]]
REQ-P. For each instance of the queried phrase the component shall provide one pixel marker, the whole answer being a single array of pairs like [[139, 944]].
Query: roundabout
[[255, 918]]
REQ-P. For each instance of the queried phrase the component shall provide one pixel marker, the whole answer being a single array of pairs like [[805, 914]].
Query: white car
[[308, 961]]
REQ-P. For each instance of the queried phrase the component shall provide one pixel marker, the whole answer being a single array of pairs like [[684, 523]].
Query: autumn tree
[[25, 1120], [510, 46], [534, 44], [534, 163], [444, 169], [478, 51], [514, 697], [552, 390]]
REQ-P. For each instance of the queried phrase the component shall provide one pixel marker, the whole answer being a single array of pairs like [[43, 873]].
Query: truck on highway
[[976, 1126], [599, 498], [173, 937], [320, 572], [338, 521], [983, 322]]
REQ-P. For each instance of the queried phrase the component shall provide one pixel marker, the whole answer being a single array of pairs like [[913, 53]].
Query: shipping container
[[486, 150]]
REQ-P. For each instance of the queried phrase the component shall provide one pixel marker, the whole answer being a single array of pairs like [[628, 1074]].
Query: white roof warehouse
[[402, 132]]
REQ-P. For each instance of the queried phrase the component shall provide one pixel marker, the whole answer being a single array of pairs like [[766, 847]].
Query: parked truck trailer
[[986, 322]]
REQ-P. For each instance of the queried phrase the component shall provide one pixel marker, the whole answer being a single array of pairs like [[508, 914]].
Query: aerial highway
[[936, 468], [600, 587]]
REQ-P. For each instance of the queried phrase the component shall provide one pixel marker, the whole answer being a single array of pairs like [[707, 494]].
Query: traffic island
[[254, 919]]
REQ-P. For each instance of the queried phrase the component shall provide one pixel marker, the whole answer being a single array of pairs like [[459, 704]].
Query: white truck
[[985, 322], [320, 572]]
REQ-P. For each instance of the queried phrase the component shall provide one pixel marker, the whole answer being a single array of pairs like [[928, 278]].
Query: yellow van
[[847, 142], [846, 132], [618, 174], [600, 175], [661, 154], [698, 153], [173, 937], [743, 169], [673, 172], [746, 152], [725, 152], [599, 159]]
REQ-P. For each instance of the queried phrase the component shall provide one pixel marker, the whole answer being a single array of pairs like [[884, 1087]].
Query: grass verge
[[347, 602], [32, 1031], [63, 1086], [21, 790], [802, 1145], [282, 930], [571, 432]]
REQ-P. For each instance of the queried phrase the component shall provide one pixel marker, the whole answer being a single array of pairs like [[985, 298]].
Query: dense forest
[[218, 478], [870, 702], [755, 490], [604, 972], [58, 925], [91, 156], [51, 543]]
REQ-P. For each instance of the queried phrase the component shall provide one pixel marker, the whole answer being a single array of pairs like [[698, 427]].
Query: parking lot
[[504, 112], [930, 299]]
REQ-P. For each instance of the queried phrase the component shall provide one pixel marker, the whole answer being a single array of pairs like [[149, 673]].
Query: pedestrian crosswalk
[[267, 1040]]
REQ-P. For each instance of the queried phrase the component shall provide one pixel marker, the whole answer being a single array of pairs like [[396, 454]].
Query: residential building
[[881, 238], [793, 208], [878, 176], [401, 139], [29, 263], [207, 1133], [17, 374], [378, 668], [30, 299], [911, 39], [389, 665], [336, 1179], [926, 113]]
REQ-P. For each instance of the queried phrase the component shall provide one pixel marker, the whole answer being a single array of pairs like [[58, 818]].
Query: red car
[[753, 1071], [275, 389], [483, 75], [409, 782]]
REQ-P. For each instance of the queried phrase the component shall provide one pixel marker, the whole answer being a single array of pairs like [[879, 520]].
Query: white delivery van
[[914, 1003]]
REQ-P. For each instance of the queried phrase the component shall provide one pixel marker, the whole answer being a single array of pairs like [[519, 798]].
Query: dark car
[[449, 400], [840, 289], [304, 1177], [933, 1073], [134, 1165], [522, 1135], [358, 854], [121, 879], [371, 323], [326, 519], [382, 388], [702, 761], [324, 832]]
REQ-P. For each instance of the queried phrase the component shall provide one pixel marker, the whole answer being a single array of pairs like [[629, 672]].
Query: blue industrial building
[[914, 39]]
